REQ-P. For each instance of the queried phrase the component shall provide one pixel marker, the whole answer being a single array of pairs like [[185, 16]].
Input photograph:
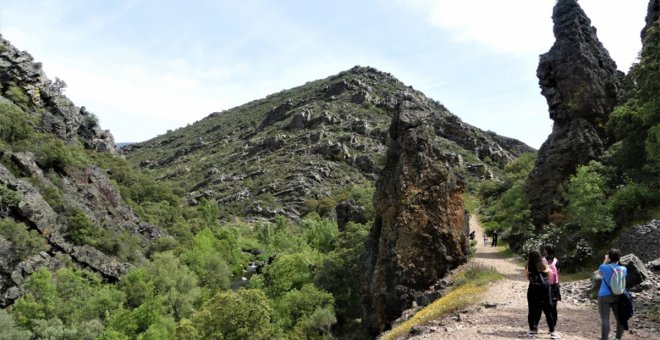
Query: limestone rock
[[581, 85], [417, 235]]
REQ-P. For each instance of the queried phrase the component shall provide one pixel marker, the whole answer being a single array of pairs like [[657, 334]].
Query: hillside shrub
[[586, 197], [25, 242], [18, 96], [15, 125]]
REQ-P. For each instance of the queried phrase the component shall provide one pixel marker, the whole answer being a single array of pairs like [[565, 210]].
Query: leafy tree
[[331, 272], [297, 305], [586, 200], [245, 314], [321, 233], [9, 329]]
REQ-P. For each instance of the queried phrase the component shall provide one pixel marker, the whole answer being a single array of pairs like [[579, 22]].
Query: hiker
[[494, 244], [606, 298], [485, 239], [539, 297], [552, 262], [473, 235]]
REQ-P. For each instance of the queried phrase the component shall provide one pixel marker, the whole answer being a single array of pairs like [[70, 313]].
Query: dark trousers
[[554, 289], [494, 244], [537, 302], [605, 303]]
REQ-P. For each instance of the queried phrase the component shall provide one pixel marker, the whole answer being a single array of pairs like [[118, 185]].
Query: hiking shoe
[[554, 335], [531, 333]]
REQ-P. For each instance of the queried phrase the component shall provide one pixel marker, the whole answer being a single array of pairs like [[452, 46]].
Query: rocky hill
[[285, 153], [56, 205]]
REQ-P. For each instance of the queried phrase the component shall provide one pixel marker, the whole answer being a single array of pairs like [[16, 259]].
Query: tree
[[245, 314]]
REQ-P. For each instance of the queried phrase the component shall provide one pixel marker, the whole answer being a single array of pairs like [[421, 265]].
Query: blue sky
[[146, 66]]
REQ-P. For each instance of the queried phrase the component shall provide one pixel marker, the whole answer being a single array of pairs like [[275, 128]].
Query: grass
[[468, 289], [577, 276]]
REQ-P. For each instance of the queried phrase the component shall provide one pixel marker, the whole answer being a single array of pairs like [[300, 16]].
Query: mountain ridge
[[336, 128]]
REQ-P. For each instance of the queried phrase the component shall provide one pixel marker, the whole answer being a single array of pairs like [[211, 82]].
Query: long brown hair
[[535, 262]]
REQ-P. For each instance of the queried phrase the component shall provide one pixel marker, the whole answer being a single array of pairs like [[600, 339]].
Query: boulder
[[581, 85], [350, 211], [637, 272]]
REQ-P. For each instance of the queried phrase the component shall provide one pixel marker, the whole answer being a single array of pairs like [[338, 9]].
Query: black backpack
[[540, 285]]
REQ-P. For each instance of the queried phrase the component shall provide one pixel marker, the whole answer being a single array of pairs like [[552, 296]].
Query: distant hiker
[[473, 235], [551, 261], [539, 297], [494, 244], [485, 239], [607, 299]]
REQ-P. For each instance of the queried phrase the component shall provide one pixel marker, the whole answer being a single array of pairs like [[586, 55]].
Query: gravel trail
[[502, 313]]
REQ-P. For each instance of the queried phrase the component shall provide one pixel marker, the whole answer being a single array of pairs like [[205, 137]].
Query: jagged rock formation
[[44, 199], [418, 234], [652, 15], [581, 85], [271, 155], [60, 116]]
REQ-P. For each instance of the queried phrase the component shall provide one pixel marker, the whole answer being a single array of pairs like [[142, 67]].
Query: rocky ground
[[502, 313]]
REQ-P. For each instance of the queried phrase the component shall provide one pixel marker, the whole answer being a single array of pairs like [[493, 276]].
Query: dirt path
[[502, 314]]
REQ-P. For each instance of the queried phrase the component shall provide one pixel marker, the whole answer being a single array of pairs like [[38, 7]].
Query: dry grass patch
[[468, 289]]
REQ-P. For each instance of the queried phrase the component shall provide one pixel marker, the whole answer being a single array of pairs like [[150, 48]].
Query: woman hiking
[[552, 262], [606, 298], [539, 297]]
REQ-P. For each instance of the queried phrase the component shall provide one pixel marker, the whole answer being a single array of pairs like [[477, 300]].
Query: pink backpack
[[553, 278]]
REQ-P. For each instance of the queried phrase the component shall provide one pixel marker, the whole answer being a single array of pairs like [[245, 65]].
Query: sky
[[148, 66]]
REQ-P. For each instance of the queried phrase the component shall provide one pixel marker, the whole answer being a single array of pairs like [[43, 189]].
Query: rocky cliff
[[418, 234], [56, 205], [581, 85], [273, 155], [652, 15]]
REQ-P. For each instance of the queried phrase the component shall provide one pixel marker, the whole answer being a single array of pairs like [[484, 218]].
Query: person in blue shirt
[[606, 299]]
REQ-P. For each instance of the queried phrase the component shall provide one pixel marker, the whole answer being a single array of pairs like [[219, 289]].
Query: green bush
[[82, 230], [633, 202], [52, 153], [18, 96], [15, 125], [586, 199], [9, 329], [242, 315], [25, 242]]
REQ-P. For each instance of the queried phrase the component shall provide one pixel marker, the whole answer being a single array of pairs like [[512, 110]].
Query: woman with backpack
[[607, 299], [539, 297], [552, 262]]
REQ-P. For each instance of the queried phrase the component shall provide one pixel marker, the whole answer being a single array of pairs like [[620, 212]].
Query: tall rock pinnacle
[[581, 85], [652, 15], [418, 234]]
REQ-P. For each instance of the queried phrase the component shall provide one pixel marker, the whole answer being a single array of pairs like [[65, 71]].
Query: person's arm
[[605, 261]]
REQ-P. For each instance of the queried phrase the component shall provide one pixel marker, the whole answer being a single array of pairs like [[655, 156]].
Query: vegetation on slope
[[605, 197]]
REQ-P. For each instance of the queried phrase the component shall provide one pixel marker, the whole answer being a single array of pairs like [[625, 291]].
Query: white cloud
[[524, 27]]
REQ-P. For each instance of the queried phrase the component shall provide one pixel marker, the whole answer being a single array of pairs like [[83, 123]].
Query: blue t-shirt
[[606, 270]]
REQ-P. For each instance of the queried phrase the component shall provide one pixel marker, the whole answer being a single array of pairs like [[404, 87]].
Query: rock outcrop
[[652, 15], [417, 235], [581, 85], [59, 115], [52, 200]]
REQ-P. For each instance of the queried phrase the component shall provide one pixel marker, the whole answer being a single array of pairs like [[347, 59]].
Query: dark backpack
[[540, 285]]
